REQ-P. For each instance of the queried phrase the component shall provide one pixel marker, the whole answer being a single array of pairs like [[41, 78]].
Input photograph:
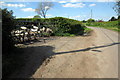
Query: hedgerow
[[59, 25]]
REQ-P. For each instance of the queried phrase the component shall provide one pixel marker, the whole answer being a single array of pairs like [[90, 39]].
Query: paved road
[[109, 53], [94, 56]]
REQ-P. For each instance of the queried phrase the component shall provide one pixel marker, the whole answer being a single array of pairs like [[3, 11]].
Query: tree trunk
[[44, 15]]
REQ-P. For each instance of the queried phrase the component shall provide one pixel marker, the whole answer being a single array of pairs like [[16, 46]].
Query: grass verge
[[112, 25]]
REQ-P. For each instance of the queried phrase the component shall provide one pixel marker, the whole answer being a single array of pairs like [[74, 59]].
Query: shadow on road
[[33, 57], [89, 48]]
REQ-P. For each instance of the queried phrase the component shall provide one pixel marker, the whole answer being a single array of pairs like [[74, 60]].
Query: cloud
[[48, 15], [24, 17], [28, 9], [76, 5], [29, 17], [1, 2], [11, 5], [73, 1], [92, 5], [70, 1], [62, 2], [79, 17], [106, 0], [15, 5], [47, 7], [75, 17]]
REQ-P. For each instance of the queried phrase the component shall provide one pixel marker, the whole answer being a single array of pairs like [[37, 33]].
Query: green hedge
[[59, 25]]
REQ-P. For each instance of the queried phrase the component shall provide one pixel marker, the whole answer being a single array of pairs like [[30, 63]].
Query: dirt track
[[94, 56]]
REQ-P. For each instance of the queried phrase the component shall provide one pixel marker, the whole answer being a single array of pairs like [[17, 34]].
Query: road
[[94, 56]]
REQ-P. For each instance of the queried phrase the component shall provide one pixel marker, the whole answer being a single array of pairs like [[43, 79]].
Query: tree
[[36, 16], [8, 24], [113, 19], [90, 20], [84, 21], [119, 17], [117, 7], [43, 7]]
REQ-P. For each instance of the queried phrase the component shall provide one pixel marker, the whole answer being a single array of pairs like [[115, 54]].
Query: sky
[[74, 9]]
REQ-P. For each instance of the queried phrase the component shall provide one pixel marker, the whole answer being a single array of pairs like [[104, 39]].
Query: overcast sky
[[74, 9]]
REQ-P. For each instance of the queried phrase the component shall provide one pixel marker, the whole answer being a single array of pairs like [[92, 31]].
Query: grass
[[112, 25], [87, 30]]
